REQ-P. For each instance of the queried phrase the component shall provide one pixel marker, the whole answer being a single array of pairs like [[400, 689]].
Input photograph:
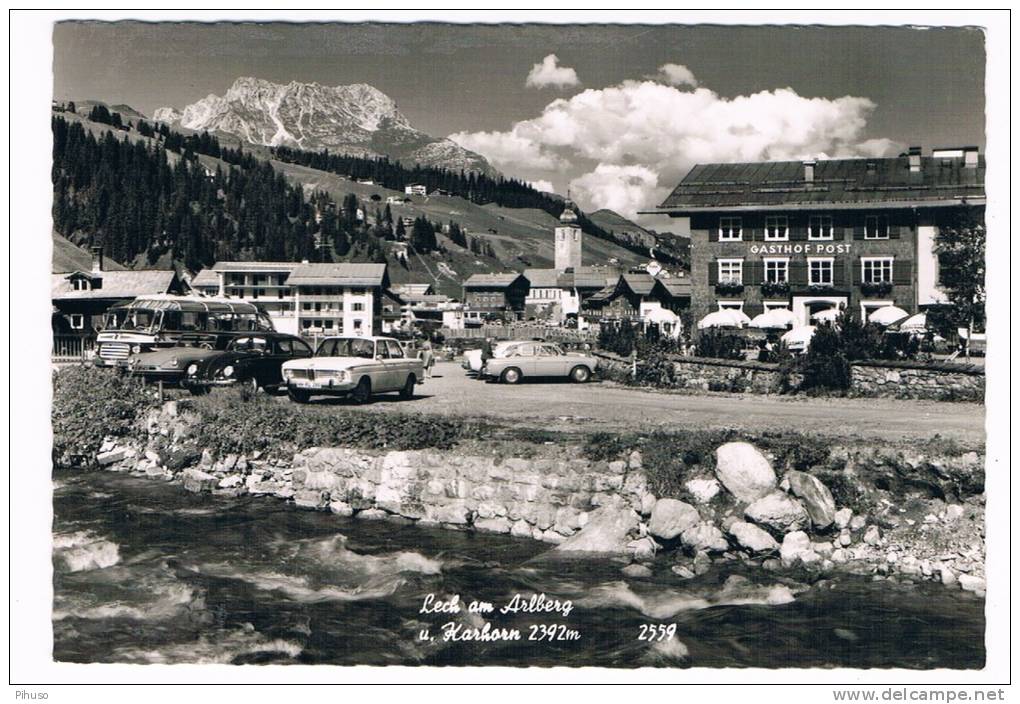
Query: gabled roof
[[677, 288], [115, 284], [588, 278], [491, 280], [205, 278], [543, 278], [847, 183], [255, 266], [640, 284], [344, 274], [603, 294]]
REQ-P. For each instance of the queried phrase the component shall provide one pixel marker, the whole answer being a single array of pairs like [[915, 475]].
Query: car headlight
[[133, 361], [288, 373], [135, 349], [228, 370], [192, 369]]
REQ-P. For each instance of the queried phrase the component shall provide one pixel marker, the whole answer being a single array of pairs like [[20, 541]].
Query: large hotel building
[[812, 235]]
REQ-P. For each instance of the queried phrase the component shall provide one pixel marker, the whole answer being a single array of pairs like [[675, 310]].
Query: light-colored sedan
[[473, 358], [358, 367], [539, 360]]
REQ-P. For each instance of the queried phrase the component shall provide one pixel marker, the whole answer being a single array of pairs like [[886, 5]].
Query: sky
[[616, 113]]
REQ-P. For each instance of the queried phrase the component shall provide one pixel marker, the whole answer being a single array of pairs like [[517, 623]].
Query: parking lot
[[603, 405]]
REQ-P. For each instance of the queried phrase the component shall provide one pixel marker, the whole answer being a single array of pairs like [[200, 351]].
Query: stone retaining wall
[[935, 382]]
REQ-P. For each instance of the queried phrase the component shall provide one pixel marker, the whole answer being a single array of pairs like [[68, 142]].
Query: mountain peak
[[358, 119]]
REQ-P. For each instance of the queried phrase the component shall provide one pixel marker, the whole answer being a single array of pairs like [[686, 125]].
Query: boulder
[[872, 536], [682, 571], [111, 456], [198, 481], [779, 512], [970, 583], [752, 537], [636, 570], [608, 531], [231, 481], [703, 490], [341, 508], [311, 498], [671, 517], [815, 496], [744, 471], [842, 518], [704, 537], [953, 513], [643, 548], [796, 548], [493, 525]]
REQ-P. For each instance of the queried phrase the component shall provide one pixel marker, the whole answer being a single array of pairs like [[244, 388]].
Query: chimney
[[914, 158], [97, 259], [809, 171], [970, 157]]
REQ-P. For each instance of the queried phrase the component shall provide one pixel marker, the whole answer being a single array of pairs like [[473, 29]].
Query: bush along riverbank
[[696, 498]]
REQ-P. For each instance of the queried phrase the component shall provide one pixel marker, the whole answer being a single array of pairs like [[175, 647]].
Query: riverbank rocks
[[752, 537], [744, 471], [197, 481], [796, 548], [111, 456], [671, 517], [779, 512], [842, 518], [703, 490], [705, 537], [608, 532], [815, 496]]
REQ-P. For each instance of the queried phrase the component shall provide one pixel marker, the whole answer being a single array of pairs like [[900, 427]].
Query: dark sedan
[[253, 360]]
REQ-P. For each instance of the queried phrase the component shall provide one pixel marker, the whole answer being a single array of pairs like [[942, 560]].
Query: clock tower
[[568, 240]]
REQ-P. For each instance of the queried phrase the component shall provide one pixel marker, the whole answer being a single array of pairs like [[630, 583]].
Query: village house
[[638, 297], [486, 294], [416, 189], [339, 299], [82, 297], [265, 283], [851, 234]]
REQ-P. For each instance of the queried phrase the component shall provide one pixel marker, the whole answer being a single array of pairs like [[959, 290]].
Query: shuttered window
[[820, 272], [731, 271], [777, 228], [876, 227], [820, 227], [730, 229], [876, 270], [777, 271]]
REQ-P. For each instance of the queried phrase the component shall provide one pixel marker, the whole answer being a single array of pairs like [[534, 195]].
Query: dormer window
[[777, 228], [730, 230], [80, 284]]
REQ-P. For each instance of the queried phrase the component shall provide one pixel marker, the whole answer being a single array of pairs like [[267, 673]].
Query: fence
[[73, 348], [524, 332]]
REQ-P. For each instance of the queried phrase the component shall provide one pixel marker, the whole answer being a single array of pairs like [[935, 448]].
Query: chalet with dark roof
[[812, 235]]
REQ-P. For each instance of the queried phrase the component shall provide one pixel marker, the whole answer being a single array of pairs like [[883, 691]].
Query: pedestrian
[[428, 358], [486, 350]]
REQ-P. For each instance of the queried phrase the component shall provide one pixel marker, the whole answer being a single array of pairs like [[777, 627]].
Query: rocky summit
[[357, 119]]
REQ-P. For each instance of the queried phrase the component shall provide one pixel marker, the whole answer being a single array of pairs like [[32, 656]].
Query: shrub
[[657, 369], [89, 404], [720, 345], [825, 366], [606, 447], [229, 424]]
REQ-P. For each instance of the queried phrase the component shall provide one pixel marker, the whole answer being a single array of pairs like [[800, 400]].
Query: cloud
[[543, 185], [632, 141], [675, 75], [550, 73]]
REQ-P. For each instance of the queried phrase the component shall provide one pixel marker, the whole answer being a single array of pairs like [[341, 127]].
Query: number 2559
[[655, 632]]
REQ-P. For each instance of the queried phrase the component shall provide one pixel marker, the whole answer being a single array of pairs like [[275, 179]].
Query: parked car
[[473, 358], [254, 360], [169, 364], [539, 360], [358, 367]]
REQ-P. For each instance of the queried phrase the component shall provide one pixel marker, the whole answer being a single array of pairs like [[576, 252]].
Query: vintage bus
[[165, 320]]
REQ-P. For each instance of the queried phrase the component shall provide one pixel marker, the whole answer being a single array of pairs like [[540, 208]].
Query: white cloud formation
[[625, 145], [543, 185], [550, 73], [676, 75]]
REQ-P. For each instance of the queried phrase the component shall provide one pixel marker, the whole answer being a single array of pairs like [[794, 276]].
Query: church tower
[[568, 240]]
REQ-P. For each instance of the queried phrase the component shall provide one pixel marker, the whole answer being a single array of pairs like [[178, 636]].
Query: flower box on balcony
[[880, 288], [821, 289], [729, 288], [775, 289]]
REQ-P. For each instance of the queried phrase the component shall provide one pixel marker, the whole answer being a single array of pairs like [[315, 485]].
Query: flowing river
[[147, 573]]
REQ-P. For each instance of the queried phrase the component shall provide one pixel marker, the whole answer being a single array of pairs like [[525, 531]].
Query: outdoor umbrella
[[782, 317], [829, 315], [915, 323], [719, 319], [740, 316], [798, 338], [762, 321], [887, 315]]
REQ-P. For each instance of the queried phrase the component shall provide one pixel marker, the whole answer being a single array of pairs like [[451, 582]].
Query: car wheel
[[198, 390], [298, 396], [253, 385], [363, 391], [580, 374], [510, 375], [407, 393]]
